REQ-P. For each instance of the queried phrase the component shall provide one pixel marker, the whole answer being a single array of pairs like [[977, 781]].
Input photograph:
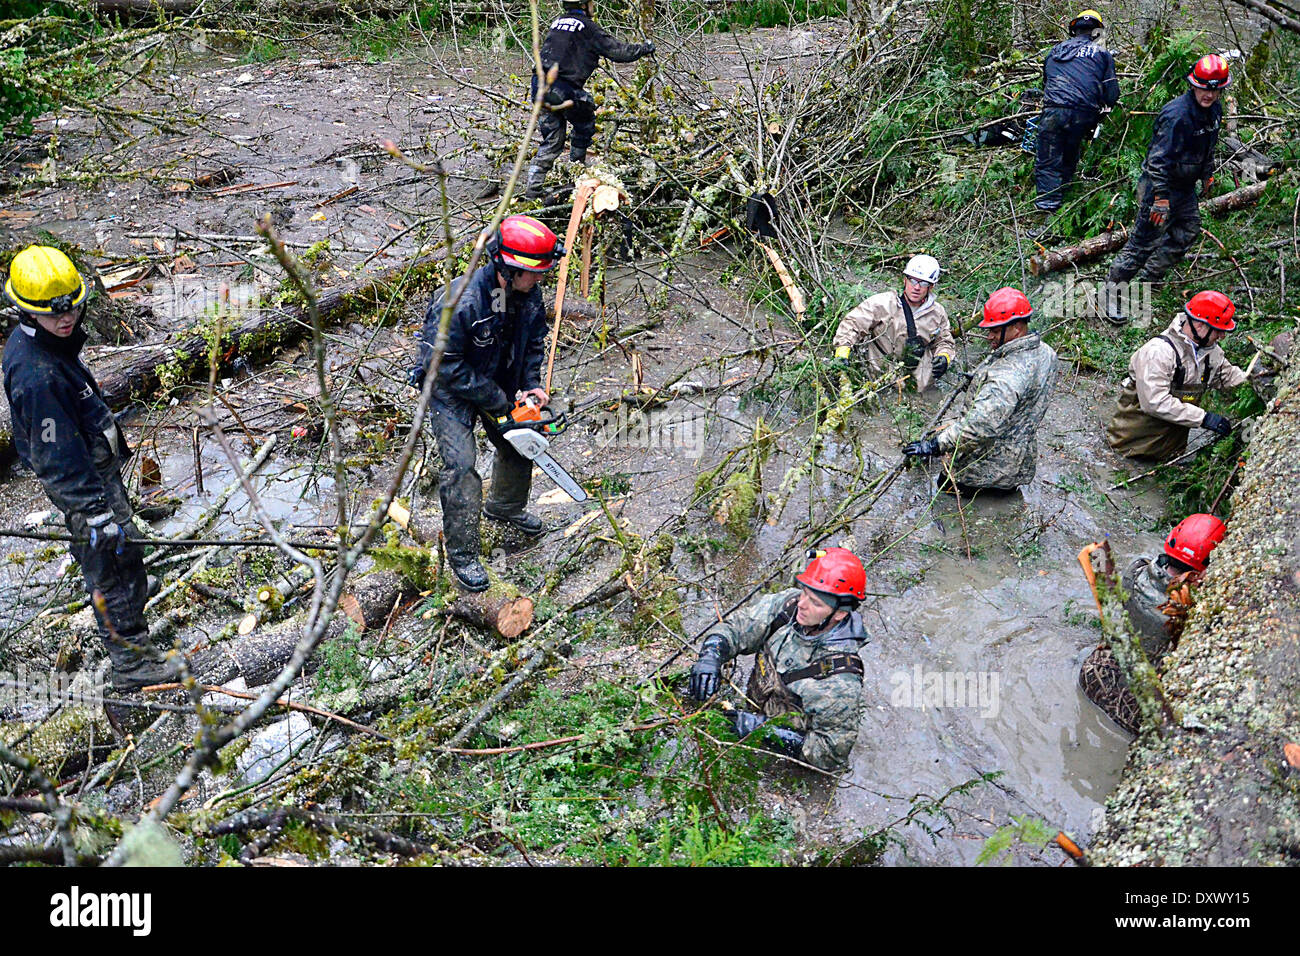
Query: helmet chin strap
[[1201, 341]]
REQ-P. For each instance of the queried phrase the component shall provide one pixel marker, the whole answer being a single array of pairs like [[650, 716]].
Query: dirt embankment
[[1219, 790]]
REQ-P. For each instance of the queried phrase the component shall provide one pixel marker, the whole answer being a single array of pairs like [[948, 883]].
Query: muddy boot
[[1112, 305], [470, 575], [529, 524]]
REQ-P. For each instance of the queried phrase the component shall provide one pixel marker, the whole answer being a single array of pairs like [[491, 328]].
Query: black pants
[[1154, 250], [460, 488], [553, 127], [121, 579], [1061, 135]]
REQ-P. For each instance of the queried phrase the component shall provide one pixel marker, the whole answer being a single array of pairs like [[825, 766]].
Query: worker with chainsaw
[[495, 345], [575, 43], [65, 433], [1079, 84], [995, 441], [1180, 155], [1160, 400], [909, 325], [806, 641], [1159, 592]]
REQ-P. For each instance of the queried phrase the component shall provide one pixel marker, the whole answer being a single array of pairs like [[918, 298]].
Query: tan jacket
[[1154, 412], [879, 321], [1152, 371]]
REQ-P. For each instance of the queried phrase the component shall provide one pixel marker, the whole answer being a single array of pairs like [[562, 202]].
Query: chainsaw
[[529, 434]]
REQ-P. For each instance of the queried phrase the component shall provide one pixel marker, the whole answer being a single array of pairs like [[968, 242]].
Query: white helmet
[[923, 268]]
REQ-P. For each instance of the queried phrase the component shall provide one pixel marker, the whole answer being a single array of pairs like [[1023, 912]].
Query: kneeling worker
[[807, 642], [996, 440], [1167, 378], [1147, 583], [66, 434], [912, 326]]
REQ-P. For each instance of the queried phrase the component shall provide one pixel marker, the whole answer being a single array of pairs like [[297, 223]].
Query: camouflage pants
[[120, 578], [551, 126], [1154, 250], [460, 489]]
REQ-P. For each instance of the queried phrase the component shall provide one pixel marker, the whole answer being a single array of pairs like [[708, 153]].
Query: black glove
[[939, 366], [913, 352], [107, 537], [706, 675], [923, 448], [790, 742], [415, 378], [648, 48], [746, 722], [1217, 424]]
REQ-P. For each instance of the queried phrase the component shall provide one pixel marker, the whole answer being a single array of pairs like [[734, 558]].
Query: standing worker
[[1181, 153], [1159, 401], [910, 325], [496, 342], [66, 434], [806, 640], [575, 43], [1079, 82], [996, 439]]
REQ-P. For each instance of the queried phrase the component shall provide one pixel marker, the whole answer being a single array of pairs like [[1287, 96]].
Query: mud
[[990, 590]]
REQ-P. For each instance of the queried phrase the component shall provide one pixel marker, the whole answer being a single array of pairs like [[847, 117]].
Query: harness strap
[[827, 667]]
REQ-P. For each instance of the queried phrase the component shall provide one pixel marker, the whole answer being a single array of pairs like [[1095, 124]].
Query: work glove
[[706, 675], [913, 352], [1217, 424], [787, 741], [939, 366], [1159, 212], [923, 448], [1206, 187], [415, 378], [107, 536], [648, 48]]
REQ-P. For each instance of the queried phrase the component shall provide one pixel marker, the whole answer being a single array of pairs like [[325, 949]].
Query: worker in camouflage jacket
[[995, 442], [1160, 400], [67, 435], [575, 43], [909, 325], [806, 642]]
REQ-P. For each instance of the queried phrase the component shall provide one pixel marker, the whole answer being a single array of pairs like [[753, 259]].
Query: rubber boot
[[471, 576], [524, 521]]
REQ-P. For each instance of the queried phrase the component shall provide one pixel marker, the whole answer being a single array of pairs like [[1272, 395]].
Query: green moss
[[415, 565]]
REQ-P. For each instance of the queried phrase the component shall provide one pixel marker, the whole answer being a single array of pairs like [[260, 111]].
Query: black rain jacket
[[496, 342], [1079, 74], [64, 431], [576, 42], [1182, 146]]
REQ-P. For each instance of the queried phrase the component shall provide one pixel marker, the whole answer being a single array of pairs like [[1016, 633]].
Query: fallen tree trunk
[[501, 608], [1055, 259], [1219, 789]]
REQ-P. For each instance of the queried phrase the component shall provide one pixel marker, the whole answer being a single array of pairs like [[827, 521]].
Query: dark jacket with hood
[[576, 42], [495, 345], [1079, 74], [63, 429], [1182, 146]]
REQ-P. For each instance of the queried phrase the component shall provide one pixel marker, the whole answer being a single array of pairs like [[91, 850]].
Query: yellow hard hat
[[43, 281], [1086, 15]]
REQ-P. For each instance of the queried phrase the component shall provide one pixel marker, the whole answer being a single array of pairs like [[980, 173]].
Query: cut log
[[501, 608], [1089, 249]]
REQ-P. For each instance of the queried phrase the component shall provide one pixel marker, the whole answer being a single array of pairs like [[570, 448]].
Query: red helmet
[[836, 575], [1005, 306], [524, 243], [1194, 538], [1213, 308], [1210, 73]]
